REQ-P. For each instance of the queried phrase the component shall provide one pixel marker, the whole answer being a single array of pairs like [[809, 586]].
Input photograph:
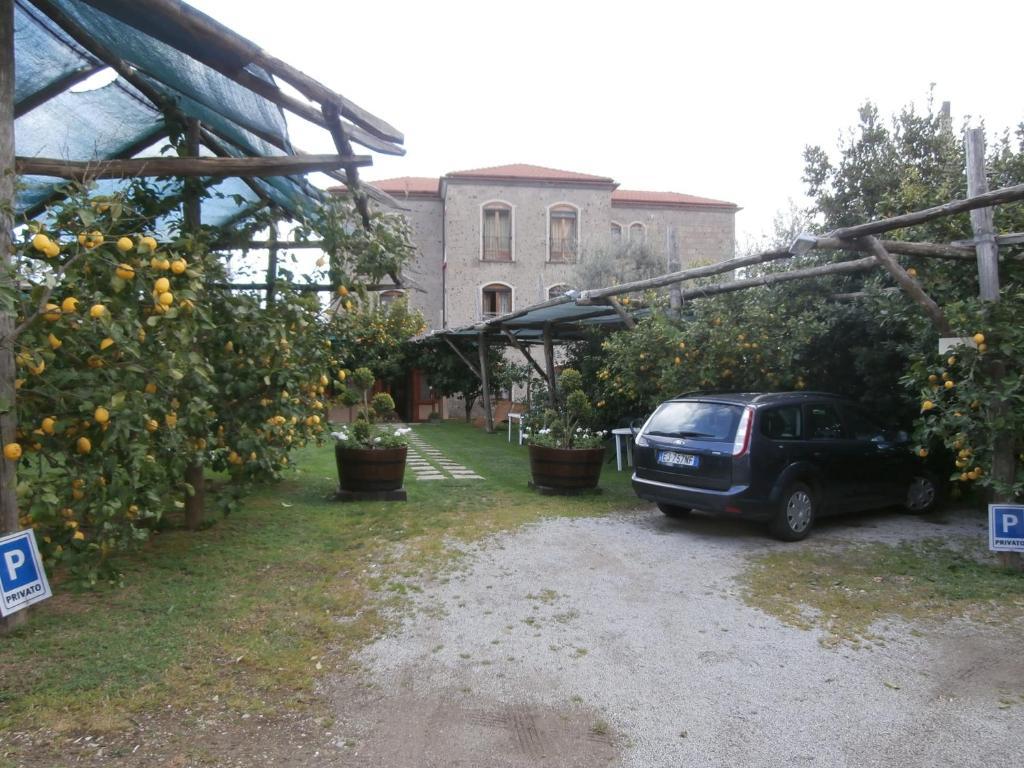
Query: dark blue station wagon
[[785, 458]]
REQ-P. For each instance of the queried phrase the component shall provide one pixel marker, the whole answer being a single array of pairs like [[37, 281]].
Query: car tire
[[797, 510], [671, 510], [924, 494]]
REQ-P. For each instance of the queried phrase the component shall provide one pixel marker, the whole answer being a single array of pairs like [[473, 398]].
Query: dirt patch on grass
[[851, 590]]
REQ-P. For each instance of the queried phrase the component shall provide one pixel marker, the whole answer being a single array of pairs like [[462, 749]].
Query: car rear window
[[705, 421]]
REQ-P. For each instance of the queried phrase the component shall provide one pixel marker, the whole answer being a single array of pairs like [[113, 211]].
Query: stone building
[[493, 240]]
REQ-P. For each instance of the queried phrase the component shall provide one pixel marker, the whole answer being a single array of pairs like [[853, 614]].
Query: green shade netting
[[116, 120], [178, 70], [43, 53]]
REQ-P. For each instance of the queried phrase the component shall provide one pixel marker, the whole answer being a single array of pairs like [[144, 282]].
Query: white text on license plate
[[673, 459]]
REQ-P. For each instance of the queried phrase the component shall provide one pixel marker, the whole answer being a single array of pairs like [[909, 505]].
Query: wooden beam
[[8, 281], [485, 382], [297, 287], [341, 143], [160, 132], [216, 40], [1010, 238], [56, 88], [272, 93], [183, 166], [214, 145], [590, 297], [262, 245], [624, 316], [824, 243], [981, 218], [911, 287], [902, 247], [986, 200], [771, 278], [462, 357], [525, 353]]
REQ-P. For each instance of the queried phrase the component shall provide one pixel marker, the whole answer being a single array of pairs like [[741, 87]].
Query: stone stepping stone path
[[428, 463]]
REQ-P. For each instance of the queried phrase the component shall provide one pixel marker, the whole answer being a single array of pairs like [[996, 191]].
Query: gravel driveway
[[624, 641]]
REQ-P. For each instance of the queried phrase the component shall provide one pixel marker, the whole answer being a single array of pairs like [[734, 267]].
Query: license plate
[[673, 459]]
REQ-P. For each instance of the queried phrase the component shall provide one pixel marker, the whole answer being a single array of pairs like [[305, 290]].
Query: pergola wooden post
[[485, 382], [1004, 464], [272, 249], [549, 362], [8, 411], [195, 502]]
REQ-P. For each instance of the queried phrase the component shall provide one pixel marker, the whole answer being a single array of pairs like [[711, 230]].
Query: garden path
[[429, 463]]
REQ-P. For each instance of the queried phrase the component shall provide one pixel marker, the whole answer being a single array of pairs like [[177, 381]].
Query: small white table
[[517, 417], [623, 435]]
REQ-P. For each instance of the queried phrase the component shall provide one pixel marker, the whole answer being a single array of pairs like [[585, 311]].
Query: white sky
[[713, 101]]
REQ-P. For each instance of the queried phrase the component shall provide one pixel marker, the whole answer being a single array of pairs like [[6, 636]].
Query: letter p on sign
[[13, 559]]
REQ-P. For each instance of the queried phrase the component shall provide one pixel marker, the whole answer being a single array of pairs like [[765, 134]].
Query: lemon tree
[[135, 371], [106, 328]]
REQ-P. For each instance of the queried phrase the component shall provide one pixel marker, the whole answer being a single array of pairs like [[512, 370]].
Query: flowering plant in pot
[[370, 457], [566, 453]]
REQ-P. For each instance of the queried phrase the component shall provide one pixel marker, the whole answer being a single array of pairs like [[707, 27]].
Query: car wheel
[[923, 494], [671, 510], [796, 513]]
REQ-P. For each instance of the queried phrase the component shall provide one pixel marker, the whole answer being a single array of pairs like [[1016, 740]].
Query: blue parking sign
[[22, 578], [1006, 527]]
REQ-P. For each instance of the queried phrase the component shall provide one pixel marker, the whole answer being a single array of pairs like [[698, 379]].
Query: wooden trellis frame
[[346, 122]]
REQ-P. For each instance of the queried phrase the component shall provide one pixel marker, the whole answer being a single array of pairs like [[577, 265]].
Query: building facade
[[493, 240]]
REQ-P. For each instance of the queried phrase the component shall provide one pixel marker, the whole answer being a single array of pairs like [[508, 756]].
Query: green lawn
[[246, 613]]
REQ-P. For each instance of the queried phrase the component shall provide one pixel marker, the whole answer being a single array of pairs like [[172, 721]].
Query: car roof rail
[[803, 392]]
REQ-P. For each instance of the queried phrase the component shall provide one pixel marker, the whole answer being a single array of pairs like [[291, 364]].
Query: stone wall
[[682, 236], [423, 275], [530, 274]]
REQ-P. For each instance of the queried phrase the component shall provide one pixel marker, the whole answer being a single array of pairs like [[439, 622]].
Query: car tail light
[[742, 442]]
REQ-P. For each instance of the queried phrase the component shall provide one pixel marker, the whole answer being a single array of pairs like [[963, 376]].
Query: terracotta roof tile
[[411, 185], [524, 171], [640, 197]]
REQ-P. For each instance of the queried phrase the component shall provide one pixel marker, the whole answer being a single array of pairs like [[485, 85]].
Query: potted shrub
[[566, 454], [370, 457]]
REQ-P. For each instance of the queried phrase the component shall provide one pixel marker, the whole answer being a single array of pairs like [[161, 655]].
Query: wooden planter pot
[[565, 471], [370, 474]]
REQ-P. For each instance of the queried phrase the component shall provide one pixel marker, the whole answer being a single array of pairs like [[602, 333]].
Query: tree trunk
[[8, 372]]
